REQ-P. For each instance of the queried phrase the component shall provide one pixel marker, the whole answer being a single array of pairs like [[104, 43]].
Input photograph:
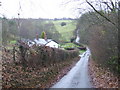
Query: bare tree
[[102, 7], [111, 7]]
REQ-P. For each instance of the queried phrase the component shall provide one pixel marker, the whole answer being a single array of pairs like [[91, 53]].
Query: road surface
[[78, 76], [77, 38]]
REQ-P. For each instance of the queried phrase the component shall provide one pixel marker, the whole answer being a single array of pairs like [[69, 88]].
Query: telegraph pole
[[19, 26], [0, 54]]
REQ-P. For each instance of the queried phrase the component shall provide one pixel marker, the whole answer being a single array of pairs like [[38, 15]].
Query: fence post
[[13, 53]]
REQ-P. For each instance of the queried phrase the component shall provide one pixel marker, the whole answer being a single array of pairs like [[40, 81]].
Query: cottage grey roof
[[40, 41]]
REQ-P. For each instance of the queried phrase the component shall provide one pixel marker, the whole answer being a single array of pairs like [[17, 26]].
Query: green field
[[67, 30]]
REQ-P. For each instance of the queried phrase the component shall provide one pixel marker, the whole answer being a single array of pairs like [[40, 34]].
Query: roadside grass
[[67, 30]]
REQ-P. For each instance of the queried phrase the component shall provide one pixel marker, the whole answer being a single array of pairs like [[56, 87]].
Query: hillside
[[67, 30]]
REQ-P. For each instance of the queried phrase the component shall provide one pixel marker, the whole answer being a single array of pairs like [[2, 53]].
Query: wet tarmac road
[[78, 76]]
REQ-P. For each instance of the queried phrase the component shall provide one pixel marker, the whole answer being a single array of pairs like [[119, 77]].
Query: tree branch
[[108, 6], [100, 13]]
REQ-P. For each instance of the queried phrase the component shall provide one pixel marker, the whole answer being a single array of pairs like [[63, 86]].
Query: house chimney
[[37, 36], [45, 37]]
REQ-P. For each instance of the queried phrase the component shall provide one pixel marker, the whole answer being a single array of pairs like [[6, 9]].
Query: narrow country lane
[[78, 76]]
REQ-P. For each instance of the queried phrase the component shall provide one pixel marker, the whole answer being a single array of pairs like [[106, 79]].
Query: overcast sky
[[41, 8], [38, 8]]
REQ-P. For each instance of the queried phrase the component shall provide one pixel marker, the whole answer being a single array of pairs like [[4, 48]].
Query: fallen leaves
[[101, 77], [16, 76]]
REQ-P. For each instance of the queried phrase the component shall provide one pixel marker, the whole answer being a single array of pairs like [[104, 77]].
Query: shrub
[[63, 24], [44, 55]]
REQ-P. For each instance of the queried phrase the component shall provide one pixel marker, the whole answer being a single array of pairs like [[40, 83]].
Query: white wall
[[52, 44]]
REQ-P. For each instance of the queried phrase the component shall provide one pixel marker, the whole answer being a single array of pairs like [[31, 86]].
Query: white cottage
[[52, 44], [40, 41], [48, 42]]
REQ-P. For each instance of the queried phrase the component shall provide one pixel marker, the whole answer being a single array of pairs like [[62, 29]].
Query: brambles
[[43, 73], [43, 55]]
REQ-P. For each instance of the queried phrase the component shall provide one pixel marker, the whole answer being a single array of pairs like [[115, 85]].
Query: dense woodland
[[101, 36]]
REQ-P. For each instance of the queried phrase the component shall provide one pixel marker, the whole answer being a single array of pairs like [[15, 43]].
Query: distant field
[[67, 30]]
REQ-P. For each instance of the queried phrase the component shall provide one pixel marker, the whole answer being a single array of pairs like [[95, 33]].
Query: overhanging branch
[[100, 13]]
